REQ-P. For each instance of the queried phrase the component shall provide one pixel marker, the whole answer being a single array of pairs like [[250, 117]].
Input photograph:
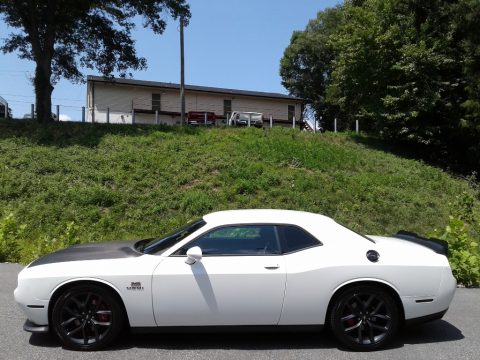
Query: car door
[[240, 280]]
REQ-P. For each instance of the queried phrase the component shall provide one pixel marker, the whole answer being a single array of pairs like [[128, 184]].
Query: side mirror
[[194, 254]]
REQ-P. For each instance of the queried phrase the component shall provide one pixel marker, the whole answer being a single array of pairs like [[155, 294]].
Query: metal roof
[[157, 84]]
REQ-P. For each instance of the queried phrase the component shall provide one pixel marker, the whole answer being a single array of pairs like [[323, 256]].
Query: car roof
[[248, 112], [274, 216]]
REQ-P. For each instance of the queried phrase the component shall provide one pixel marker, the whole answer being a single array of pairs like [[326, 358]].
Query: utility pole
[[182, 75]]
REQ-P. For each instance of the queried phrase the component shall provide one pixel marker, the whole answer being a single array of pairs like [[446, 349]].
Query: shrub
[[65, 239], [15, 248], [10, 235], [464, 254], [460, 233]]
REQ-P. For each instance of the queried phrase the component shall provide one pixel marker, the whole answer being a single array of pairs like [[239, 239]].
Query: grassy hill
[[81, 182]]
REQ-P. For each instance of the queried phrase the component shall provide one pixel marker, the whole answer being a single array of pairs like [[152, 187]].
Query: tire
[[364, 318], [87, 317]]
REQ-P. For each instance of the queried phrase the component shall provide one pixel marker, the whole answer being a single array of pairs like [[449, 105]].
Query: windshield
[[160, 245], [255, 116]]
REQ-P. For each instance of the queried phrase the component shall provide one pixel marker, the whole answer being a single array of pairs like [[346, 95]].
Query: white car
[[242, 118], [240, 269]]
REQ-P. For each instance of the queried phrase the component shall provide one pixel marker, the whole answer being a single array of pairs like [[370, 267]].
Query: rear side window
[[294, 238]]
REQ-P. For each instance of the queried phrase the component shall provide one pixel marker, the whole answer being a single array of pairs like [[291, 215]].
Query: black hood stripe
[[95, 251]]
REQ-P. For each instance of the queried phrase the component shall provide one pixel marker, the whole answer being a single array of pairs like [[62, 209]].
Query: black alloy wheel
[[364, 318], [87, 317]]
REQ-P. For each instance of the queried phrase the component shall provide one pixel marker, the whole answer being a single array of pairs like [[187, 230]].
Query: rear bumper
[[34, 328]]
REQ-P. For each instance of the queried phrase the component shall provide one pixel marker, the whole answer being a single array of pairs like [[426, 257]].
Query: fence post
[[108, 115], [133, 116], [93, 114], [6, 111], [315, 125], [157, 122], [205, 118], [357, 126], [227, 119], [249, 119], [32, 111], [294, 122], [271, 121], [335, 125], [83, 114], [58, 112]]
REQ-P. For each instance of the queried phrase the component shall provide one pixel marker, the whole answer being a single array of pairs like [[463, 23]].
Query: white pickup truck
[[242, 118]]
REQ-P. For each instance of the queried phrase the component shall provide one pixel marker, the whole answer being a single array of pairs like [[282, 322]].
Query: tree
[[307, 62], [409, 70], [62, 36]]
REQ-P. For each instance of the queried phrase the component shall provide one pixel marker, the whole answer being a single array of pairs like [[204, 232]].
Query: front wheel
[[364, 318], [87, 317]]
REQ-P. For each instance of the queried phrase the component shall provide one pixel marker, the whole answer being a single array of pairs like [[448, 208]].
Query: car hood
[[92, 251]]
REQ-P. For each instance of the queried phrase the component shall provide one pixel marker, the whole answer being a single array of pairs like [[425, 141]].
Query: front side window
[[237, 240], [156, 105], [291, 112]]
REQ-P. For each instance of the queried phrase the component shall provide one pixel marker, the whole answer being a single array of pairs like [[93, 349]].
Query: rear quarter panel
[[314, 275]]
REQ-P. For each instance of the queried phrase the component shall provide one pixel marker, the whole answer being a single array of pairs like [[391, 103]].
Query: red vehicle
[[201, 118]]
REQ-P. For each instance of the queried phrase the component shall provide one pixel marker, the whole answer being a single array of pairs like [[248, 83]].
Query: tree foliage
[[63, 36], [307, 63], [408, 69]]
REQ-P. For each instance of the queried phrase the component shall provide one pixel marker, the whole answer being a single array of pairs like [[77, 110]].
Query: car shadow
[[431, 332], [434, 332]]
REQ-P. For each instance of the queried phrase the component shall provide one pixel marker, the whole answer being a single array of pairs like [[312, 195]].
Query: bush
[[14, 247], [460, 233], [10, 235], [464, 254], [50, 244]]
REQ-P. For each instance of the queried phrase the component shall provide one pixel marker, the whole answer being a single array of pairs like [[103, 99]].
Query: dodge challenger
[[240, 269]]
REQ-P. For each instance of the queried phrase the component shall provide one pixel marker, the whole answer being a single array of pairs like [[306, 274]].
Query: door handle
[[272, 267]]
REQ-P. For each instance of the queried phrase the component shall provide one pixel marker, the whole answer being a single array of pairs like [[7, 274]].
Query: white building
[[3, 108], [137, 101]]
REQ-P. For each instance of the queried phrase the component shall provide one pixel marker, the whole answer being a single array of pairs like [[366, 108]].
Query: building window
[[156, 102], [291, 112], [227, 107]]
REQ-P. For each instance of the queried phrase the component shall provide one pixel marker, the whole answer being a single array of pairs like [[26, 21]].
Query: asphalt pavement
[[456, 336]]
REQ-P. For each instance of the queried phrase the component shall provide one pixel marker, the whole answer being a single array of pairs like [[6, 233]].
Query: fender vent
[[423, 301]]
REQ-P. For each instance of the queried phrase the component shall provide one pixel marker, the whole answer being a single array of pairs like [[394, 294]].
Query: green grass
[[125, 182]]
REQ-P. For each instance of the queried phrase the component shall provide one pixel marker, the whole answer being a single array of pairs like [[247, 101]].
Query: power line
[[33, 96]]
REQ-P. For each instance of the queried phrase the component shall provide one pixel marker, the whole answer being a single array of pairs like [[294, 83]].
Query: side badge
[[135, 285]]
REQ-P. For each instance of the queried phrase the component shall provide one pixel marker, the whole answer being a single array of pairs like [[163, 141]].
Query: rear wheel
[[87, 317], [364, 318]]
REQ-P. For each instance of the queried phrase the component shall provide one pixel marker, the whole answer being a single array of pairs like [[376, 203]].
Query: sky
[[233, 44]]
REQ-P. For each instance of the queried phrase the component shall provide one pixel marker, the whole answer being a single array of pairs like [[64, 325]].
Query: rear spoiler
[[437, 245]]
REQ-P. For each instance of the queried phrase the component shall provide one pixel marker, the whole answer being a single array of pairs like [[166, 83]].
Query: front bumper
[[35, 309], [34, 328], [245, 123]]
